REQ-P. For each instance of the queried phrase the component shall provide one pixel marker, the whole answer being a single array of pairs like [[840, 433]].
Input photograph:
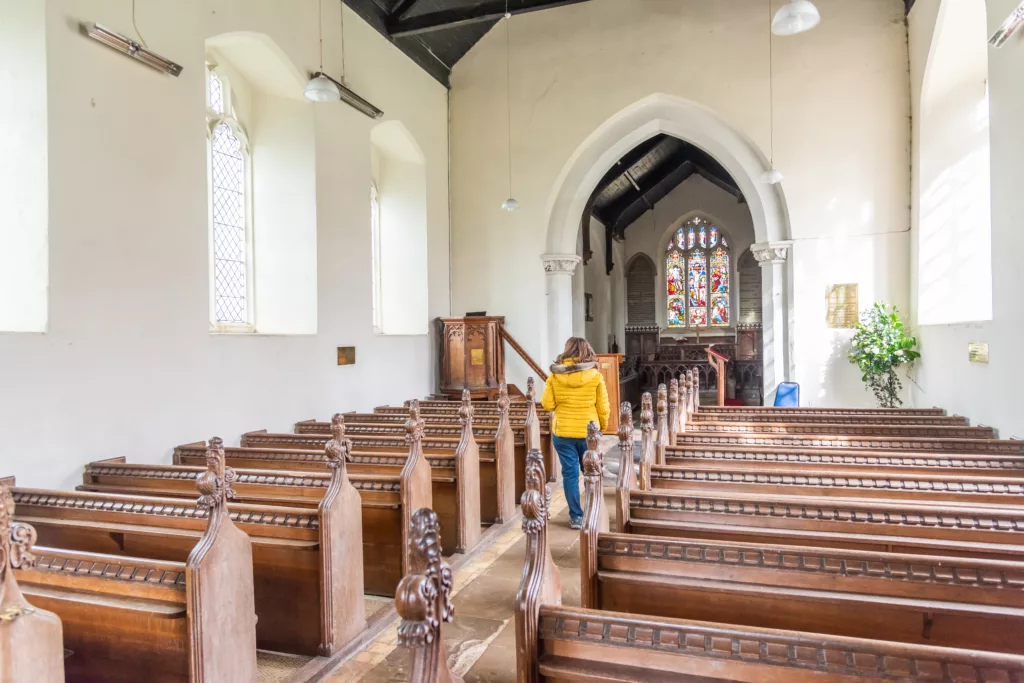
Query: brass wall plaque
[[346, 355], [476, 356], [977, 352], [842, 306]]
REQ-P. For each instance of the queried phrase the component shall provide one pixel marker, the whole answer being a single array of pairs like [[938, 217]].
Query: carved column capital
[[558, 264], [771, 253]]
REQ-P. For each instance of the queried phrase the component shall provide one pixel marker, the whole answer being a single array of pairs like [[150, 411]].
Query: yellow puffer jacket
[[576, 394]]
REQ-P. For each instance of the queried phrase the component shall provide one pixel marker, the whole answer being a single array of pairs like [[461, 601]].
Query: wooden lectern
[[608, 364], [472, 356]]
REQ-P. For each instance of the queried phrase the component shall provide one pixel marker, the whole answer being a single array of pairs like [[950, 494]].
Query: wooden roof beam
[[452, 18]]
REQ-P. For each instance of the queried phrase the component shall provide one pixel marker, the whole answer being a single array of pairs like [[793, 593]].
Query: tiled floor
[[481, 641]]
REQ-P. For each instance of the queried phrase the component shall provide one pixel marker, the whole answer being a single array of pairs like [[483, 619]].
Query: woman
[[576, 394]]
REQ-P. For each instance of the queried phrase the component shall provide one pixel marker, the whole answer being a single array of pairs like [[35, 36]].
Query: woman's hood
[[573, 374]]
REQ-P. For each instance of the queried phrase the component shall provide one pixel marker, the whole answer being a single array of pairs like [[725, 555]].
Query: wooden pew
[[816, 418], [946, 601], [758, 456], [527, 434], [935, 444], [842, 429], [31, 638], [307, 564], [381, 496], [558, 643], [134, 619], [453, 486], [960, 529], [423, 601], [892, 484], [883, 413], [497, 459]]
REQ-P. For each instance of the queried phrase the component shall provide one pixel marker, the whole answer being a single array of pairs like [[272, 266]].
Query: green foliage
[[881, 345]]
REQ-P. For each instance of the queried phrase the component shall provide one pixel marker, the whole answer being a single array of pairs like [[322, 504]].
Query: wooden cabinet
[[472, 356], [608, 364]]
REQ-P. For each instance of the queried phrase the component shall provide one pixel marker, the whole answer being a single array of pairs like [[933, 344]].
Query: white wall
[[283, 141], [23, 168], [608, 290], [695, 196], [128, 366], [988, 394], [841, 138]]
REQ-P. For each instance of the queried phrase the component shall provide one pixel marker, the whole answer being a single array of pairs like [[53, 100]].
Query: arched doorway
[[688, 121]]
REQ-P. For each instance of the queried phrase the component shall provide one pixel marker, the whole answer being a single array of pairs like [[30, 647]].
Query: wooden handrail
[[523, 354], [718, 362]]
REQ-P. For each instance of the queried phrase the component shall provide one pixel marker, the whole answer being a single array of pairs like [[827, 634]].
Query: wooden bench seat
[[869, 483], [913, 599], [307, 563], [453, 488], [558, 643], [758, 456], [816, 418], [381, 496], [914, 444], [496, 459], [777, 412], [31, 638], [842, 429]]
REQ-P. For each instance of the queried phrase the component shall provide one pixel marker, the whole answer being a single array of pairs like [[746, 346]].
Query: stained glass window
[[229, 209], [697, 276]]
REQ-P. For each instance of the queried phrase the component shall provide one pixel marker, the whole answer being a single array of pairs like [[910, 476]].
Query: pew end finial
[[35, 646], [531, 391], [216, 484], [646, 440], [595, 515], [466, 410], [593, 465], [626, 480], [423, 601], [414, 425]]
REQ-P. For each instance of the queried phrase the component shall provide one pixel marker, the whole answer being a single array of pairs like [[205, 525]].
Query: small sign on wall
[[977, 352], [346, 355], [842, 306], [476, 356]]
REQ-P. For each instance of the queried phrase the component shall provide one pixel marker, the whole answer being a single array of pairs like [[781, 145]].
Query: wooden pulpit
[[718, 362], [608, 364], [472, 356]]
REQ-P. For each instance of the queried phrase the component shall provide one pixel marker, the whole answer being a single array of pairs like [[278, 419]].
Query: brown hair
[[579, 349]]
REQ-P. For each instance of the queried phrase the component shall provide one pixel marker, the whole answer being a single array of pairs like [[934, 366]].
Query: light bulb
[[796, 17], [322, 89], [772, 177]]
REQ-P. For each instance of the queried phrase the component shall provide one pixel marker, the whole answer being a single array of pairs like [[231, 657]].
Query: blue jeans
[[570, 454]]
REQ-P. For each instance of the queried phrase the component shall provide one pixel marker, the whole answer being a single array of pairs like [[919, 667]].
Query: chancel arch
[[685, 120]]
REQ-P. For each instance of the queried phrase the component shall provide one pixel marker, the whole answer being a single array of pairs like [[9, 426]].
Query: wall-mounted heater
[[1008, 27], [323, 88], [131, 48]]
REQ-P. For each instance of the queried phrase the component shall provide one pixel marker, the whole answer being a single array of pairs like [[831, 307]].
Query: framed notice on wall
[[842, 306]]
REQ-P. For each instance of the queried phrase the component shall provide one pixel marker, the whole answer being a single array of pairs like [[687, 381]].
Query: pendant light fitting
[[321, 88], [798, 16]]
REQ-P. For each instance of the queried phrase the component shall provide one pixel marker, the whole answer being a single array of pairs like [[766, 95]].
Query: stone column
[[558, 291], [772, 256]]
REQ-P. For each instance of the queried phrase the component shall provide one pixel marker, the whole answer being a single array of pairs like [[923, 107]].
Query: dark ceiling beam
[[720, 183], [628, 210], [625, 163], [401, 9], [453, 18]]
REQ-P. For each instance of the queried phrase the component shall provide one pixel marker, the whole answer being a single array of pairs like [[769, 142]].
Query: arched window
[[697, 276], [230, 210]]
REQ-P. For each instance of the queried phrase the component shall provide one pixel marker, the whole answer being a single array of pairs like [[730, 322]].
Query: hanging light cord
[[320, 19], [136, 26], [343, 40], [508, 93], [771, 93]]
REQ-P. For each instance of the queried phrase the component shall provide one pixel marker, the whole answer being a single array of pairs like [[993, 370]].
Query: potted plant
[[880, 345]]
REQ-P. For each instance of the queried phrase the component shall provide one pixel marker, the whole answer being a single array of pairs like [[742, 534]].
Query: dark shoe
[[575, 523]]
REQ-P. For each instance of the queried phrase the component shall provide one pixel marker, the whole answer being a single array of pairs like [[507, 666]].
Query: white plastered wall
[[841, 138], [608, 290], [988, 394], [128, 366]]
